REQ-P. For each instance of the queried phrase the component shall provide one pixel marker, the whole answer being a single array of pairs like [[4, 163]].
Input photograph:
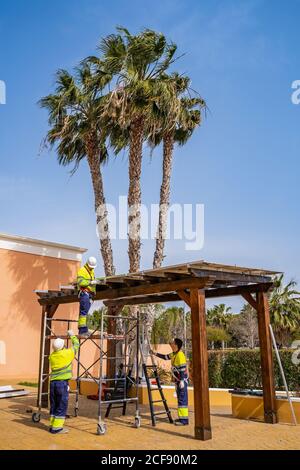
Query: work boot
[[177, 422], [63, 431], [85, 335]]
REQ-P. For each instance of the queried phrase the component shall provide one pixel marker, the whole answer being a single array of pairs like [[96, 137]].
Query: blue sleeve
[[166, 357]]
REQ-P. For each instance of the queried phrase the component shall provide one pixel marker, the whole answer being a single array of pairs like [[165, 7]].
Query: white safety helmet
[[58, 344], [92, 262]]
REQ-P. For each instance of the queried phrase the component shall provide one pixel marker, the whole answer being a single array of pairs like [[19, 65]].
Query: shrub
[[215, 359], [28, 384], [291, 372], [164, 375], [219, 335], [241, 368]]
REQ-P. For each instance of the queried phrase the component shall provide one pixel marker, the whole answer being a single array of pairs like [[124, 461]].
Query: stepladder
[[154, 385]]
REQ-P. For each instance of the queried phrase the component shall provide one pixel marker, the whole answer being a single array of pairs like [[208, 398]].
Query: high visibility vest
[[179, 366], [84, 276], [61, 361]]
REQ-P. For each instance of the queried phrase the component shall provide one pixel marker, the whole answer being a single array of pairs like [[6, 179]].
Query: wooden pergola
[[192, 283]]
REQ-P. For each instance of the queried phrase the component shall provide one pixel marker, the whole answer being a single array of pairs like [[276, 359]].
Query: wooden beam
[[215, 267], [156, 276], [156, 288], [141, 290], [200, 365], [185, 296], [229, 276], [175, 297], [249, 298], [267, 370], [238, 290]]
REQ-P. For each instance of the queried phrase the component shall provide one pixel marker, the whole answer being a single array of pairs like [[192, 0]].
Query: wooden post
[[200, 365], [267, 370]]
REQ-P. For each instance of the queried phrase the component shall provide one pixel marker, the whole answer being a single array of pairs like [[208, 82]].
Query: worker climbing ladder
[[98, 337], [151, 374]]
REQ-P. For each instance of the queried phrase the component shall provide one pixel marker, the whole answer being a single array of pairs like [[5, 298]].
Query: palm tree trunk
[[134, 194], [104, 237], [101, 212], [164, 202], [134, 215]]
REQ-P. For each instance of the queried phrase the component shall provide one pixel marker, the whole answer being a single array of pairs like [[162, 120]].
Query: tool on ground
[[8, 391]]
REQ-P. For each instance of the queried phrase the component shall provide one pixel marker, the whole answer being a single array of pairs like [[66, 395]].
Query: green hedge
[[241, 369]]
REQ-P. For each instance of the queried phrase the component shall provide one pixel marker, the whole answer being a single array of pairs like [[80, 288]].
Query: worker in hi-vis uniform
[[61, 372], [87, 284], [180, 374]]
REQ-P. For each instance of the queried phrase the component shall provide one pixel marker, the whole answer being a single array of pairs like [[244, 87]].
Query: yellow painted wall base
[[250, 407], [217, 397]]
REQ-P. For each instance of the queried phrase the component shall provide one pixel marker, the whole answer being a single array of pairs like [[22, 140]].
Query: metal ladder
[[151, 388], [119, 392]]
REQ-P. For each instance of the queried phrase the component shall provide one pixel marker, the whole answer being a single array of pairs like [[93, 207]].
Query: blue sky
[[243, 164]]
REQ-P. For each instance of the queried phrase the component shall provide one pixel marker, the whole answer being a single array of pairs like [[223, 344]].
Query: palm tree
[[219, 316], [168, 324], [78, 132], [175, 117], [284, 310], [138, 63], [175, 124]]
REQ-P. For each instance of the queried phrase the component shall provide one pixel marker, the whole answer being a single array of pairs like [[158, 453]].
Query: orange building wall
[[20, 312]]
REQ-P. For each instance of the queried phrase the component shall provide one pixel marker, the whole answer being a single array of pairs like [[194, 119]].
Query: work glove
[[94, 282], [70, 333], [181, 384]]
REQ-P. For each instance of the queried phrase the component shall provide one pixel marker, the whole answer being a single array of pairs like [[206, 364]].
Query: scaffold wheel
[[36, 417], [137, 422], [101, 429]]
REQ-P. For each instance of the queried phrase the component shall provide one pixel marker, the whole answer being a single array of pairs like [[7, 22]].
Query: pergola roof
[[170, 283], [192, 283]]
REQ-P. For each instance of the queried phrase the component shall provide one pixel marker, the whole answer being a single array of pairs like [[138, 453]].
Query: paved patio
[[17, 431]]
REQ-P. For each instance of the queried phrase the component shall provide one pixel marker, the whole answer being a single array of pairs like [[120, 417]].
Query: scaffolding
[[111, 390]]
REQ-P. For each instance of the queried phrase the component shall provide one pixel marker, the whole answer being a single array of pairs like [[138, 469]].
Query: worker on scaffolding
[[87, 284], [61, 372], [180, 374]]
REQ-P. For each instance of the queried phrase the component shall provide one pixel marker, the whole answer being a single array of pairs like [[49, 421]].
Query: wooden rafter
[[217, 280], [209, 294]]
